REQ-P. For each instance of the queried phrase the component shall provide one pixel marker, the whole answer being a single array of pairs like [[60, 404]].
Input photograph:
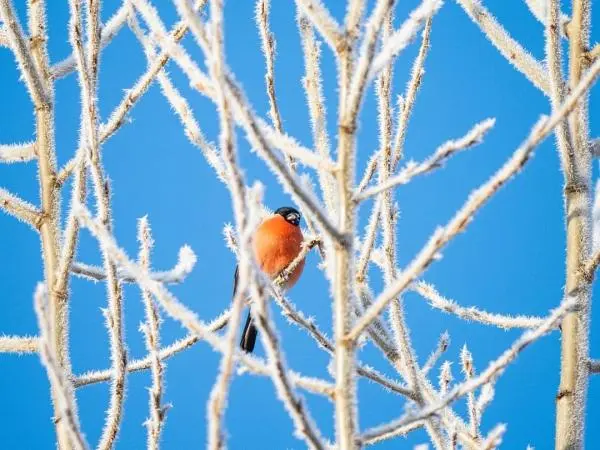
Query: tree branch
[[506, 45]]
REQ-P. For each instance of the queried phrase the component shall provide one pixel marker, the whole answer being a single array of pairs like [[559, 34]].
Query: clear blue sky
[[510, 260]]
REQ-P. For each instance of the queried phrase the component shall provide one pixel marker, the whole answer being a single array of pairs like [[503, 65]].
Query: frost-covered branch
[[433, 297], [185, 264], [445, 151], [494, 437], [243, 212], [313, 385], [298, 318], [268, 47], [540, 10], [19, 345], [441, 347], [20, 209], [99, 376], [87, 62], [320, 17], [466, 362], [493, 370], [406, 105], [19, 45], [313, 89], [151, 330], [64, 396], [109, 30], [577, 172], [590, 267], [400, 39], [295, 405], [17, 153], [506, 45]]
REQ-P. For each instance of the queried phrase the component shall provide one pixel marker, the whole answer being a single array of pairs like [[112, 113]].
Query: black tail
[[248, 335]]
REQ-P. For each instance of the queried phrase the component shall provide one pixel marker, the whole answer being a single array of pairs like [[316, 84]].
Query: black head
[[291, 215]]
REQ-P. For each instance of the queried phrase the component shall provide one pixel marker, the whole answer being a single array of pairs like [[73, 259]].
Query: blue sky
[[511, 259]]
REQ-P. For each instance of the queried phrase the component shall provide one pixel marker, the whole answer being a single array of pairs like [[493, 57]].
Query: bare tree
[[365, 46]]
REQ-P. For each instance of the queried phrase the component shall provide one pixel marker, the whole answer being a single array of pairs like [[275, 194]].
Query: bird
[[276, 242]]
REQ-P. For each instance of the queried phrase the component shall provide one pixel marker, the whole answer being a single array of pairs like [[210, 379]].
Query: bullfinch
[[276, 242]]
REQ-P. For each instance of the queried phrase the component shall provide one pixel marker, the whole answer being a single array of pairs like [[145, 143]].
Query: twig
[[445, 377], [307, 246], [506, 45], [404, 35], [540, 10], [445, 151], [441, 347], [316, 106], [290, 148], [494, 369], [322, 20], [43, 98], [17, 153], [367, 439], [433, 297], [151, 330], [403, 348], [268, 47], [305, 426], [368, 243], [109, 31], [577, 172], [99, 376], [466, 362], [20, 209], [185, 264], [31, 73], [87, 68], [594, 366], [62, 387], [117, 117], [593, 54], [590, 267], [237, 188], [70, 235], [557, 92], [494, 437], [295, 316], [406, 109], [486, 395], [313, 385], [365, 62], [20, 345]]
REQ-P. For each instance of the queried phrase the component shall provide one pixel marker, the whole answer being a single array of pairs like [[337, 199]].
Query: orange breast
[[276, 243]]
